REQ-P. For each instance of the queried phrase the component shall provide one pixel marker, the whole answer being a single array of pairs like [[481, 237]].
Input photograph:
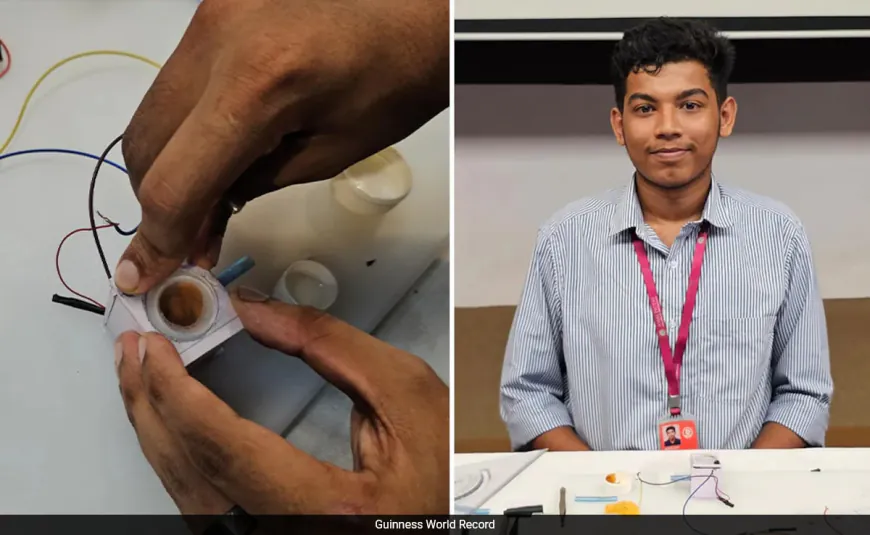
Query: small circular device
[[468, 484], [184, 307]]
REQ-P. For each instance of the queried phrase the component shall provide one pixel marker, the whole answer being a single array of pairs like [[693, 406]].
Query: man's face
[[671, 123], [671, 434]]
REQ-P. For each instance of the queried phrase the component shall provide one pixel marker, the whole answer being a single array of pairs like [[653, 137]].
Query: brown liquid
[[181, 303]]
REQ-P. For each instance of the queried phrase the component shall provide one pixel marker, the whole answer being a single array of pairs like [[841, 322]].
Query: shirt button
[[673, 264]]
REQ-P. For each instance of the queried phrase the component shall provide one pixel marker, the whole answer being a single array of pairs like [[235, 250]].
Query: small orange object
[[622, 508], [611, 478]]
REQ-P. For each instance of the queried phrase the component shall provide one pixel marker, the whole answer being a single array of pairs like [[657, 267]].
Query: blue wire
[[61, 151], [74, 153]]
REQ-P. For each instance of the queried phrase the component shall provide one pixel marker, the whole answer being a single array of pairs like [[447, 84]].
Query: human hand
[[209, 458], [262, 94]]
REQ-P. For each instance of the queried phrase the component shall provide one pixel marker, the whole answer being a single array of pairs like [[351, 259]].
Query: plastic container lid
[[374, 185], [307, 283]]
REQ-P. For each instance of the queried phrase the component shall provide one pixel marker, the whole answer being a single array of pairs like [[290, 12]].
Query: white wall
[[523, 152], [543, 9]]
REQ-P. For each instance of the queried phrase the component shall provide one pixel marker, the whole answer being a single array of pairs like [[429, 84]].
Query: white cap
[[308, 283], [374, 185]]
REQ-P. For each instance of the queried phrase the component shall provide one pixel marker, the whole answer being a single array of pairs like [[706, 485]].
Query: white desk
[[757, 481]]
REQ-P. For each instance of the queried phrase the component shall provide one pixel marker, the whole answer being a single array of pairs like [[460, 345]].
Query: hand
[[209, 458], [777, 436], [560, 439], [262, 94]]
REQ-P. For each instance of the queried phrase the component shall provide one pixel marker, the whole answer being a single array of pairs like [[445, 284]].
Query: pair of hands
[[209, 459], [321, 85]]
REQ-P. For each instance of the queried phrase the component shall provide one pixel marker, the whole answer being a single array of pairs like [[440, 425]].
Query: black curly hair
[[652, 44]]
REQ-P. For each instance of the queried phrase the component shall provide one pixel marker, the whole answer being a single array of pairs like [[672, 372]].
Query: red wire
[[57, 262], [7, 58]]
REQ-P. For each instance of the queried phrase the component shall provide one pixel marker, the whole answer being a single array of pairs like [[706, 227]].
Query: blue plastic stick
[[595, 499], [235, 270]]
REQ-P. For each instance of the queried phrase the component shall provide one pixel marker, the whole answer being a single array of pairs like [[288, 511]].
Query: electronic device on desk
[[706, 472], [190, 308], [474, 484]]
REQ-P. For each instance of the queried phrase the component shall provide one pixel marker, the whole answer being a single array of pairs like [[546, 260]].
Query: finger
[[170, 99], [200, 161], [190, 491], [339, 142], [300, 159], [206, 249], [252, 466], [369, 371]]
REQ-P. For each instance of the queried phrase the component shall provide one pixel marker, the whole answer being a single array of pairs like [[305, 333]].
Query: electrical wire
[[721, 496], [87, 303], [117, 227], [686, 503], [93, 228], [90, 304], [78, 304], [58, 65], [719, 493], [8, 59], [828, 522], [57, 264], [61, 151]]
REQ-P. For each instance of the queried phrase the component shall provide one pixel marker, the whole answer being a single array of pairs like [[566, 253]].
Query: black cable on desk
[[103, 157], [78, 304]]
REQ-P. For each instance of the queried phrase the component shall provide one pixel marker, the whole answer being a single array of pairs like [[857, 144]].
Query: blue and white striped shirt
[[583, 350]]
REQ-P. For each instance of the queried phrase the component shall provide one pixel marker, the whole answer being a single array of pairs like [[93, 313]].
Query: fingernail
[[142, 347], [251, 295], [127, 276], [119, 354]]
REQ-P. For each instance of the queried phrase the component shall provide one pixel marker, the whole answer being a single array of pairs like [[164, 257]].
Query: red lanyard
[[673, 361]]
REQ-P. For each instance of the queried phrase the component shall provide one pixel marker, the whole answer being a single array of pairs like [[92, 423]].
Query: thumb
[[179, 193], [145, 264], [142, 266], [372, 373]]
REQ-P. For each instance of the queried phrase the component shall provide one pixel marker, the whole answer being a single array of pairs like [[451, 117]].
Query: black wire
[[91, 203], [686, 503], [828, 522], [130, 232], [79, 304]]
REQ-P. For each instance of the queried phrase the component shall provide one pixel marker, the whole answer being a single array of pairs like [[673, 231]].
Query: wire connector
[[106, 219]]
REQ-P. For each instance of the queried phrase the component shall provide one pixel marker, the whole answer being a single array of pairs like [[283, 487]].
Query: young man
[[671, 439], [675, 300]]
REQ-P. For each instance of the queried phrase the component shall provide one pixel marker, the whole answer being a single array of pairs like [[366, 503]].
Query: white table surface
[[757, 481], [65, 443]]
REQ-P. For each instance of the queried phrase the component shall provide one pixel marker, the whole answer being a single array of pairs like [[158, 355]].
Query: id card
[[678, 433]]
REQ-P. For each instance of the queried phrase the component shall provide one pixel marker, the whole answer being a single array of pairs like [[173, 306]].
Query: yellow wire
[[58, 65]]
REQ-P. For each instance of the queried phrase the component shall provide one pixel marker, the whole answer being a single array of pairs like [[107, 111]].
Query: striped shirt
[[583, 350]]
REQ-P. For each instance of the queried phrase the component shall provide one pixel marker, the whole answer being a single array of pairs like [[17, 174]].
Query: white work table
[[778, 482], [66, 446]]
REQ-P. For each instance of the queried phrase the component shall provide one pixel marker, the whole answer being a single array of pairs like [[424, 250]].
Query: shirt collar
[[628, 214]]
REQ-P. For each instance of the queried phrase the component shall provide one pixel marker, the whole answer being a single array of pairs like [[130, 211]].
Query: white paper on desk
[[491, 476]]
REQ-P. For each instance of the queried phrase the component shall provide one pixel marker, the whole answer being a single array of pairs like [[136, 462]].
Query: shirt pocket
[[730, 357]]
